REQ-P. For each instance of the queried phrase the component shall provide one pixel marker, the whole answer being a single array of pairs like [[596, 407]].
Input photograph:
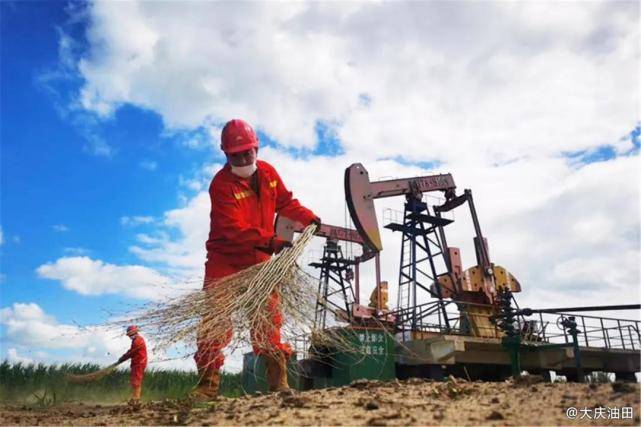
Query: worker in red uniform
[[246, 194], [138, 355]]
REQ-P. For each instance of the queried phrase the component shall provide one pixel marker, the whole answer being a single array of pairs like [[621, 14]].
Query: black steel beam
[[529, 311]]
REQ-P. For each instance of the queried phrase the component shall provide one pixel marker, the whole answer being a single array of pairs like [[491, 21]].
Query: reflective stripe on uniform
[[242, 194]]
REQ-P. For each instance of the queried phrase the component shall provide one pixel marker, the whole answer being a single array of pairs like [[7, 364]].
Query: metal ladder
[[404, 281], [337, 299]]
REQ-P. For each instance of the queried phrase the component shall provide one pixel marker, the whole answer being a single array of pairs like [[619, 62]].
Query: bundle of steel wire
[[231, 306], [91, 377]]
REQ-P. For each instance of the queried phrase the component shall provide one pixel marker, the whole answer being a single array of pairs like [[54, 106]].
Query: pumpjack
[[489, 334], [429, 268], [448, 320]]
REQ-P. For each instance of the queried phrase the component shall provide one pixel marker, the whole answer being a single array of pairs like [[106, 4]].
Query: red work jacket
[[242, 219], [137, 352]]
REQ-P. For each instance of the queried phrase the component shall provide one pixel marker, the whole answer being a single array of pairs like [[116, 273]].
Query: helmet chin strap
[[244, 171]]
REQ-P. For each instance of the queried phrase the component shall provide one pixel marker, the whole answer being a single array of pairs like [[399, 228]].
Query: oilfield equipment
[[449, 320]]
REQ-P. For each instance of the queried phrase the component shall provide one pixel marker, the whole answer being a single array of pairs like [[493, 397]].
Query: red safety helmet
[[131, 330], [237, 136]]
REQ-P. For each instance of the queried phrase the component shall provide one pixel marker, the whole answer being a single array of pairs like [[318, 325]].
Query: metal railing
[[540, 328], [595, 331]]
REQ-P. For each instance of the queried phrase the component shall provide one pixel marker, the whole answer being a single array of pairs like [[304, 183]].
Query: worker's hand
[[276, 245], [122, 359]]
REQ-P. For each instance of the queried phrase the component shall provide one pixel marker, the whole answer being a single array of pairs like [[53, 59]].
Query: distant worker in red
[[138, 355], [246, 194]]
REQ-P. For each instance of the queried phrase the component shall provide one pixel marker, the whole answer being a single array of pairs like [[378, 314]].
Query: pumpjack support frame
[[335, 269]]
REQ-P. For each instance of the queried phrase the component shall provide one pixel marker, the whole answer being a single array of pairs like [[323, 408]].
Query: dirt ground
[[411, 402]]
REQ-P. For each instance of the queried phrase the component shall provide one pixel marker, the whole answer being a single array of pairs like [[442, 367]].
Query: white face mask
[[244, 171]]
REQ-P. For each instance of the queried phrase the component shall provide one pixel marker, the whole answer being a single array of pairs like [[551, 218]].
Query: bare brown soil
[[412, 402]]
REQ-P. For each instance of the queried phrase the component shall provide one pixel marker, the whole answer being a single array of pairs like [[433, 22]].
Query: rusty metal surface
[[450, 283], [448, 288], [455, 262], [505, 279], [472, 279]]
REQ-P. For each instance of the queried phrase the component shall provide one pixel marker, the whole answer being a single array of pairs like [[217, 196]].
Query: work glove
[[122, 359], [275, 246]]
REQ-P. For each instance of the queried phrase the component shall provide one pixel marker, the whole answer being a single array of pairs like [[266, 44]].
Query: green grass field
[[46, 385]]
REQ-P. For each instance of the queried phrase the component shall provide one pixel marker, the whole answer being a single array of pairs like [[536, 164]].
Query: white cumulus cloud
[[484, 81], [32, 331], [27, 325], [95, 277], [186, 253]]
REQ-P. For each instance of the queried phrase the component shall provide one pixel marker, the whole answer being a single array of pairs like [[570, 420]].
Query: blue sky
[[49, 179], [112, 113], [57, 198]]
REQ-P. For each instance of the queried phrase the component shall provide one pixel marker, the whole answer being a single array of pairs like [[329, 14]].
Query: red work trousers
[[265, 338], [137, 372]]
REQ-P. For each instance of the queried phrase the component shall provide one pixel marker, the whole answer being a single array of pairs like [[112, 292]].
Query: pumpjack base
[[486, 355]]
